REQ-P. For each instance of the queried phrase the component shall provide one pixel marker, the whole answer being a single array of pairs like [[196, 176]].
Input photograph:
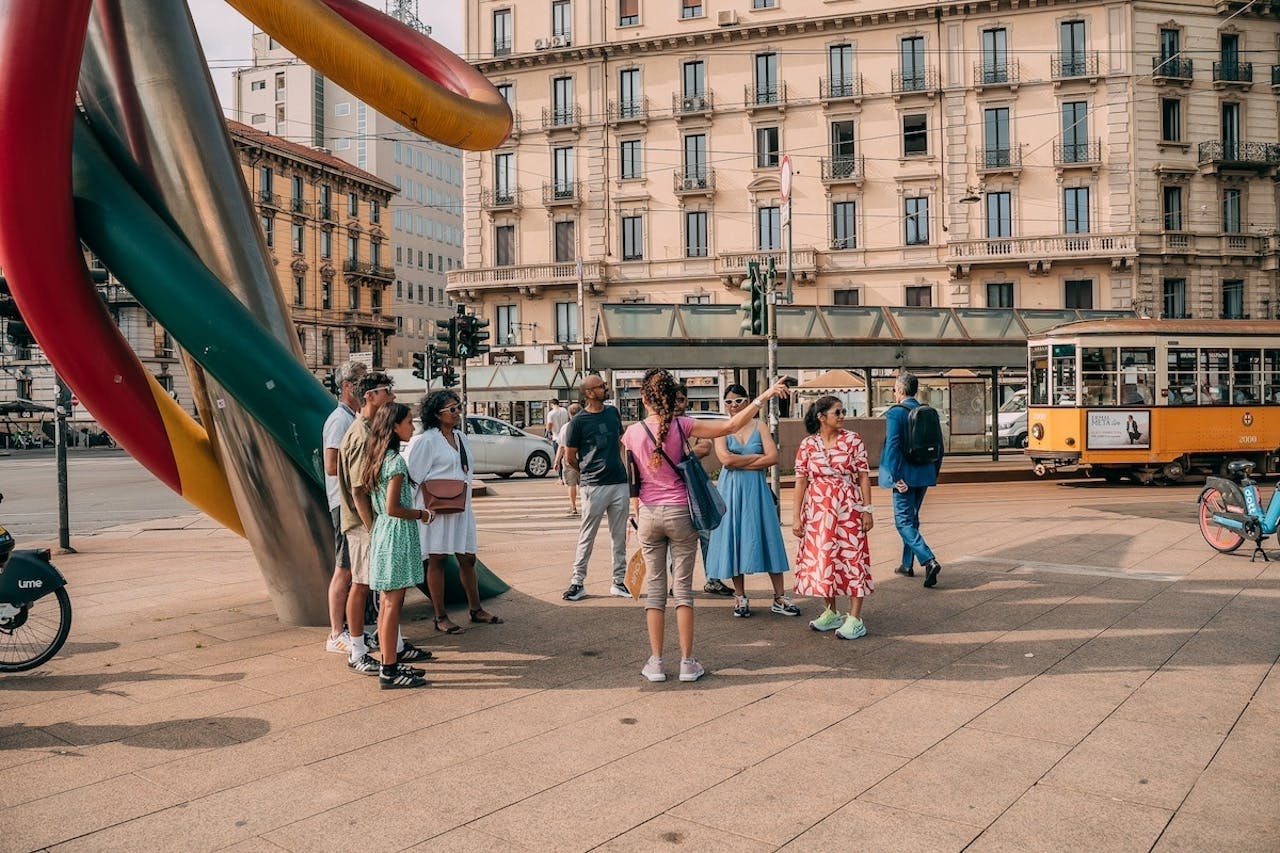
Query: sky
[[227, 37]]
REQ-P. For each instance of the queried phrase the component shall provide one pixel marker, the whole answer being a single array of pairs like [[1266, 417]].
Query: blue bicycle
[[1232, 512]]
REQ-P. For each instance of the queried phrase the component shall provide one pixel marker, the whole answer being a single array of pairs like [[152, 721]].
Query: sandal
[[452, 629], [492, 620]]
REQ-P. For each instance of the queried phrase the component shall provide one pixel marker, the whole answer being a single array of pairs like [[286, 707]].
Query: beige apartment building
[[1107, 155]]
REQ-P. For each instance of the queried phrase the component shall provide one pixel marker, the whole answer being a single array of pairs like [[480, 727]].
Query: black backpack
[[922, 444]]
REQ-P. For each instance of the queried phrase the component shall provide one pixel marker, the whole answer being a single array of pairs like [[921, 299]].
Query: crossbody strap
[[673, 465]]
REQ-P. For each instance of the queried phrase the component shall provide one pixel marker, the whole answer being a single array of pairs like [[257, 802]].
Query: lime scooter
[[1232, 512], [35, 610]]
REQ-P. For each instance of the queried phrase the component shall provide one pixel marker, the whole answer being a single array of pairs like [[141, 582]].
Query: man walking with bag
[[909, 465]]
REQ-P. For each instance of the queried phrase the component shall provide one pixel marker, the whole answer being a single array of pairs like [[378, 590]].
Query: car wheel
[[1021, 441], [538, 465]]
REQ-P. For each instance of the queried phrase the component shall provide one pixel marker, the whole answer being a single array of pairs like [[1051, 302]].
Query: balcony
[[529, 279], [765, 96], [685, 106], [326, 212], [629, 110], [842, 170], [1177, 242], [918, 82], [359, 269], [371, 321], [834, 89], [993, 75], [1218, 156], [502, 48], [1039, 253], [1069, 155], [694, 181], [732, 266], [1171, 69], [500, 198], [562, 193], [1233, 75], [1275, 78], [1074, 66], [993, 160], [566, 117], [1240, 244], [297, 205], [270, 199]]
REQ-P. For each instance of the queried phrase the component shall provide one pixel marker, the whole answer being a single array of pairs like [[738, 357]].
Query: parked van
[[1012, 420]]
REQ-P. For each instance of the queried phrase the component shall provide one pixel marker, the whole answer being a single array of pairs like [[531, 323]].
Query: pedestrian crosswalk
[[543, 513]]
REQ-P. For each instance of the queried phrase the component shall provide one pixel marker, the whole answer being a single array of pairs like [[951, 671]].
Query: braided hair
[[658, 391]]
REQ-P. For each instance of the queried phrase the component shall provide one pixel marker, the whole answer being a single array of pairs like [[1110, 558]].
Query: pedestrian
[[832, 516], [909, 481], [593, 452], [701, 449], [555, 420], [440, 452], [748, 540], [335, 427], [664, 521], [395, 556], [568, 476]]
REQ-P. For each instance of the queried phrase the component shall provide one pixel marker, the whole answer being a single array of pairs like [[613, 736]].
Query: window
[[630, 160], [326, 243], [768, 228], [847, 296], [1170, 44], [508, 319], [628, 13], [1231, 203], [1229, 56], [353, 247], [916, 209], [1075, 132], [1233, 299], [1000, 294], [915, 135], [844, 225], [1078, 293], [694, 82], [375, 212], [502, 32], [632, 238], [299, 289], [326, 348], [504, 245], [562, 171], [919, 296], [1175, 298], [269, 231], [326, 202], [562, 101], [691, 9], [766, 147], [912, 64], [999, 215], [503, 186], [695, 159], [566, 322], [561, 18], [265, 179], [840, 71], [629, 97], [353, 204], [995, 138], [1231, 131], [326, 293], [257, 85], [1075, 210], [767, 78], [375, 253], [297, 237], [764, 4], [695, 234], [1172, 206], [353, 297], [566, 248], [697, 299], [842, 151], [995, 56], [1171, 119], [508, 93], [296, 194], [1071, 48]]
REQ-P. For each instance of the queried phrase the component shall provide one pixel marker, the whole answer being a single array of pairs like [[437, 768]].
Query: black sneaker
[[575, 592], [411, 654], [905, 570], [365, 665], [400, 678], [931, 570], [716, 587]]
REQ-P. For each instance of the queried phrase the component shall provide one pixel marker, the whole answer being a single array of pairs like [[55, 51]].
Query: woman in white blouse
[[440, 453]]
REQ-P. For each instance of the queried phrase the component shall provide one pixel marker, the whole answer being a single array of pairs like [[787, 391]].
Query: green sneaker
[[852, 629], [828, 621]]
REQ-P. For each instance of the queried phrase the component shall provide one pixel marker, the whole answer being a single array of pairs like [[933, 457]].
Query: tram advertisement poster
[[1121, 429]]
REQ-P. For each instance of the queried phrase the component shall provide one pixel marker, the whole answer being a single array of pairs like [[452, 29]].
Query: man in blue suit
[[909, 482]]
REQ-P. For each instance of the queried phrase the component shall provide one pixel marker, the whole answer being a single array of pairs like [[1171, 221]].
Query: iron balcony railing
[[567, 115], [765, 94], [502, 48], [999, 158], [499, 198], [1249, 153], [297, 205], [1068, 65], [355, 267], [268, 197], [561, 192], [1171, 67], [1233, 72], [845, 168], [694, 180], [629, 109], [991, 73], [838, 88], [915, 80], [694, 104], [1075, 153]]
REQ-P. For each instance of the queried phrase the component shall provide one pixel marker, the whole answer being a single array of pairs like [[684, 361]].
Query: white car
[[1012, 419], [500, 448]]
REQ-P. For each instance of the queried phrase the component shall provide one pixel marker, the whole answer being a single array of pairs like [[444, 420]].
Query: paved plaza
[[1088, 675]]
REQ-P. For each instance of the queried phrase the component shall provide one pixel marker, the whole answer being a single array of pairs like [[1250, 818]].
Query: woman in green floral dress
[[395, 557]]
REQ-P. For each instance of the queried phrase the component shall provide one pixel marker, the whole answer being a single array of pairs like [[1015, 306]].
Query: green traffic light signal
[[464, 335], [420, 365], [755, 312]]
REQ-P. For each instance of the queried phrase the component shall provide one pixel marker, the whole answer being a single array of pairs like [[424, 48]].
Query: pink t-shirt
[[659, 486]]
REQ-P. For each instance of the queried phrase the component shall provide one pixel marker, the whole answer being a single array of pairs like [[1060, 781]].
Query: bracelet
[[869, 510], [757, 403]]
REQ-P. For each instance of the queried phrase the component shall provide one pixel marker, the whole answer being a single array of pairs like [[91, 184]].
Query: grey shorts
[[571, 476], [341, 551], [358, 543]]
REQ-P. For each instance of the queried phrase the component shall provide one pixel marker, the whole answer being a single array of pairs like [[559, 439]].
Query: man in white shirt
[[568, 475], [335, 427]]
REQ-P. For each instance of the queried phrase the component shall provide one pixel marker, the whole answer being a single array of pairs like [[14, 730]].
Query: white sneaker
[[691, 670], [653, 670], [340, 645], [619, 590]]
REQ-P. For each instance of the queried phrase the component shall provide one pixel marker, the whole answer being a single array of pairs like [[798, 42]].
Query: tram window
[[1215, 377], [1182, 377], [1271, 373], [1039, 372], [1099, 376], [1137, 376], [1064, 375], [1246, 376]]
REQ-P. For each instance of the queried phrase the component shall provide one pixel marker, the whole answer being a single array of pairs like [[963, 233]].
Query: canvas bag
[[706, 507]]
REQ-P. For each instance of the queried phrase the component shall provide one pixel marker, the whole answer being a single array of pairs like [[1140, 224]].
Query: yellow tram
[[1154, 400]]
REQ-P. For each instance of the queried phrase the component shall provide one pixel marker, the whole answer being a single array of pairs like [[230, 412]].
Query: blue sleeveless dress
[[749, 540]]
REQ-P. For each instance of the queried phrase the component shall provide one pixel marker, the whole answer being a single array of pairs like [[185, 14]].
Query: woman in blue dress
[[749, 540]]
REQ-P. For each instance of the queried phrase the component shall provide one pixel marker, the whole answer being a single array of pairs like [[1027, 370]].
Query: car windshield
[[1016, 403]]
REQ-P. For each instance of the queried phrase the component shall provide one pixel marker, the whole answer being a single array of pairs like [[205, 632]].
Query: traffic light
[[450, 376], [464, 322], [479, 334], [754, 310], [420, 365], [447, 336], [439, 362]]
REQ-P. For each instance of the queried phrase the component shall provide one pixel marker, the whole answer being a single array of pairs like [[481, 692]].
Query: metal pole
[[771, 369], [60, 457], [582, 319], [790, 298]]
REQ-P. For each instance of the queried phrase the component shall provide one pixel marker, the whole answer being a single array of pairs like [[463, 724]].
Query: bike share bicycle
[[35, 610], [1232, 512]]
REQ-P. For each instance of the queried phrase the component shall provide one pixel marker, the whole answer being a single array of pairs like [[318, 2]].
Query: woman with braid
[[656, 445]]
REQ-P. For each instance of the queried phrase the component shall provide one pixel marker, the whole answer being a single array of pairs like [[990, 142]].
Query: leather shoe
[[931, 570], [905, 570]]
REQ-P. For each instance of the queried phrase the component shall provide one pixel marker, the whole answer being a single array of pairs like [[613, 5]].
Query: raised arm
[[716, 429]]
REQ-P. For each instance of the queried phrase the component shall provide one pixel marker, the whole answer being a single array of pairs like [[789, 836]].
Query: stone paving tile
[[252, 845], [1226, 811], [870, 826], [1060, 710], [1002, 666], [76, 813], [667, 830], [21, 744], [465, 840], [1253, 746], [971, 777], [1047, 818], [1188, 699], [909, 721]]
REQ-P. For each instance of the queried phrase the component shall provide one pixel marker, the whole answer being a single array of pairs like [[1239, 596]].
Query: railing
[[561, 192], [805, 258], [842, 243], [1076, 153], [836, 169], [683, 105], [265, 197], [355, 267], [561, 117], [1171, 68], [998, 159], [632, 109], [920, 80], [1067, 66], [772, 94], [1066, 245], [694, 180], [1246, 153], [1176, 241], [1233, 72], [839, 88], [502, 48], [509, 276], [326, 212], [1008, 73], [369, 318], [297, 205], [1239, 243], [500, 198]]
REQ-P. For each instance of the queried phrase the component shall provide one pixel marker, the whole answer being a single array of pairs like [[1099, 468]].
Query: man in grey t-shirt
[[594, 450], [335, 427]]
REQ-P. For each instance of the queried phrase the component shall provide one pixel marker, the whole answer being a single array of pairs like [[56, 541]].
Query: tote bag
[[706, 507]]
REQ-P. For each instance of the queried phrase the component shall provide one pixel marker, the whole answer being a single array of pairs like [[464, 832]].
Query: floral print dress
[[833, 558]]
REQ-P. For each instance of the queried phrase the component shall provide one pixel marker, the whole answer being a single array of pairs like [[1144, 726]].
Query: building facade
[[283, 96], [1052, 155]]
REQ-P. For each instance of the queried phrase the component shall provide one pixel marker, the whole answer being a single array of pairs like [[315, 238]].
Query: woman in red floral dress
[[832, 516]]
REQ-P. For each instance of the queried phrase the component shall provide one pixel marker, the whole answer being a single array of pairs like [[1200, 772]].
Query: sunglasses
[[735, 401], [837, 412], [452, 410]]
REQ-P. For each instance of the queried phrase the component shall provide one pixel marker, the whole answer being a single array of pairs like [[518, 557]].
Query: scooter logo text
[[30, 584]]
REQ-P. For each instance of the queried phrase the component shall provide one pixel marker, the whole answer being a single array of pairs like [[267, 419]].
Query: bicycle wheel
[[34, 632], [1219, 538]]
